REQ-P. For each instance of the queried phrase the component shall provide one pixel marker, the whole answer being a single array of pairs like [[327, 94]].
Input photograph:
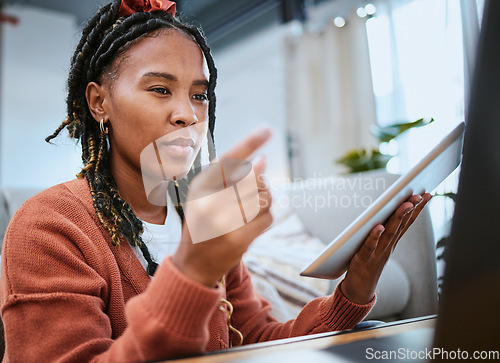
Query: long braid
[[105, 38]]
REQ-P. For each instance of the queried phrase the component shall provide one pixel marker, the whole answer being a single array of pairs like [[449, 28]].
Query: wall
[[251, 92], [35, 59]]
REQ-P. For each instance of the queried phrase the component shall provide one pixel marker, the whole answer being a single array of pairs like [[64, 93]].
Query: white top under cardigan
[[161, 239]]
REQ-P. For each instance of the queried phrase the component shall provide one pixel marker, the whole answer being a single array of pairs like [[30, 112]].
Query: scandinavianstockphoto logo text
[[317, 193], [402, 354]]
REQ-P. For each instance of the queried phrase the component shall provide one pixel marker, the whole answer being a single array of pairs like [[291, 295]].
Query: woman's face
[[157, 105]]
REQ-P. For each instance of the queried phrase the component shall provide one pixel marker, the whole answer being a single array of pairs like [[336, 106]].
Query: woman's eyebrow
[[167, 76], [200, 82], [171, 77]]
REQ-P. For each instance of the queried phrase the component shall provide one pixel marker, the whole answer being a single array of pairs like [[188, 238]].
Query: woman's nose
[[184, 113]]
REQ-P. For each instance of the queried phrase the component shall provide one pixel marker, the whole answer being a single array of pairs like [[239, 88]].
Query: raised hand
[[207, 261], [367, 264]]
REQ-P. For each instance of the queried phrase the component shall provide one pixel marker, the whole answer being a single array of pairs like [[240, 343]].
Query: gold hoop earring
[[104, 130]]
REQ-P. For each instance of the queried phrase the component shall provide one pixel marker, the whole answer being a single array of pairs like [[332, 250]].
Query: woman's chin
[[177, 169]]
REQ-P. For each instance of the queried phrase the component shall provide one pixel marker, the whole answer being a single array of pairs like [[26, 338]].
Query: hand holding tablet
[[367, 264], [424, 177]]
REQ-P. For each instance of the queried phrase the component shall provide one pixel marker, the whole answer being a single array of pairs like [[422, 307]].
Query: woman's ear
[[96, 96]]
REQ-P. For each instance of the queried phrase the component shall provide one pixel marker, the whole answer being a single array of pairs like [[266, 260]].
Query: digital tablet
[[424, 177]]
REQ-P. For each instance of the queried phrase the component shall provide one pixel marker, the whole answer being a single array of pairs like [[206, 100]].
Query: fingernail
[[381, 231], [263, 133]]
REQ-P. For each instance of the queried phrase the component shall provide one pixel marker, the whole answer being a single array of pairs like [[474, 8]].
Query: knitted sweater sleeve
[[252, 313], [55, 298]]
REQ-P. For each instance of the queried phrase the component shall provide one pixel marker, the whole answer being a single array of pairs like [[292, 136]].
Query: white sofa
[[10, 200]]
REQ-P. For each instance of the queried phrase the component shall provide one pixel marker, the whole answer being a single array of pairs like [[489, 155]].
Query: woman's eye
[[201, 97], [161, 90]]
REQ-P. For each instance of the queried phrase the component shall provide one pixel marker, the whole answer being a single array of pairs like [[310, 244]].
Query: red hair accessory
[[128, 7]]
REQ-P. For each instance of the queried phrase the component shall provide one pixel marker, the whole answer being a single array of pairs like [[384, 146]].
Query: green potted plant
[[370, 159]]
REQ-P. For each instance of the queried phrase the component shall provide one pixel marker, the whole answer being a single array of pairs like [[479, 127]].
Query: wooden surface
[[307, 347]]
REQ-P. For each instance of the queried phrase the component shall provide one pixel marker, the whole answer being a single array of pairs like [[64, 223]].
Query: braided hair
[[104, 39]]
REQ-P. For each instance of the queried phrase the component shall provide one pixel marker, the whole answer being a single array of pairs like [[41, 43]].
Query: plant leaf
[[442, 242], [363, 160], [386, 134], [451, 195]]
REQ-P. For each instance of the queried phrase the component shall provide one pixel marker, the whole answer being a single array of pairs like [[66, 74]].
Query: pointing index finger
[[249, 145]]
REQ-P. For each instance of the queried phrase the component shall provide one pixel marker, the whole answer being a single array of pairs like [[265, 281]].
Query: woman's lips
[[180, 147], [181, 141]]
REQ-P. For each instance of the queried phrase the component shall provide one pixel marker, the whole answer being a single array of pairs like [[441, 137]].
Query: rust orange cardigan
[[67, 294]]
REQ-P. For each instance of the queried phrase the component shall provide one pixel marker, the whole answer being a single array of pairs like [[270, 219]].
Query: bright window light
[[370, 9], [339, 22], [361, 12]]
